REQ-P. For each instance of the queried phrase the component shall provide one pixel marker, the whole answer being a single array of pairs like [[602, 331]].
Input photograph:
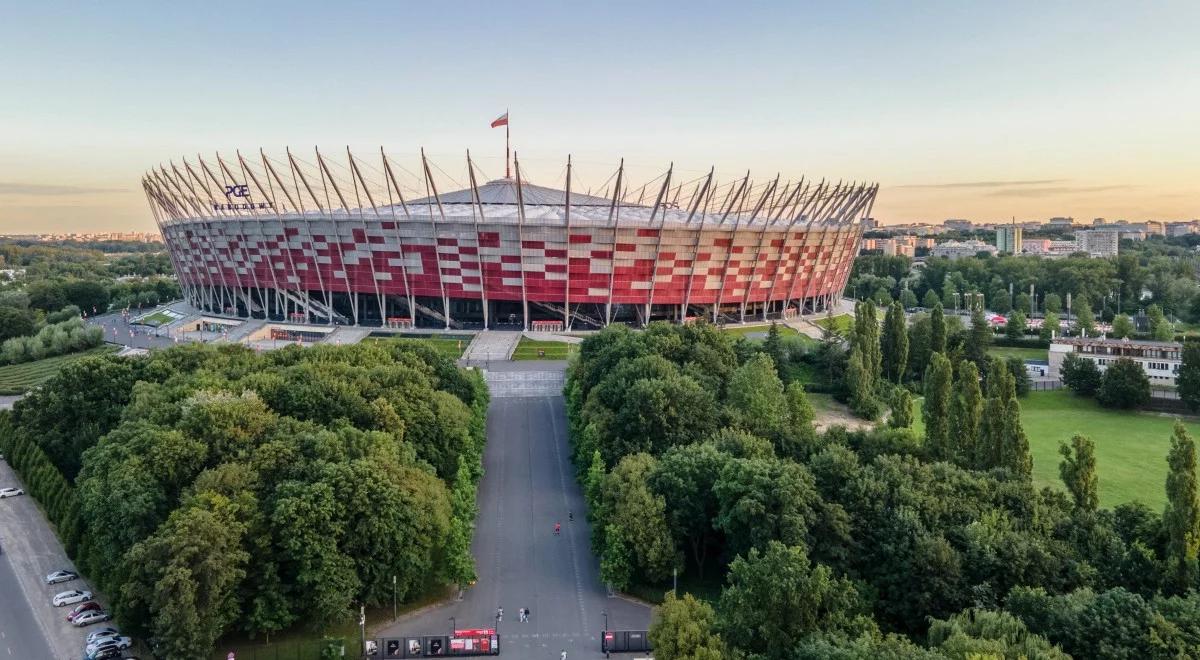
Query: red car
[[89, 606]]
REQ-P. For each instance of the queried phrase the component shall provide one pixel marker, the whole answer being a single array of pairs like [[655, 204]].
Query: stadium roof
[[504, 191]]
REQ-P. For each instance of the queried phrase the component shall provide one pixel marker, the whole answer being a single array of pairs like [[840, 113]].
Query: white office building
[[1159, 359]]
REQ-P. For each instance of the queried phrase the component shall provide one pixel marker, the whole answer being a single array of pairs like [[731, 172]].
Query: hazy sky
[[958, 109]]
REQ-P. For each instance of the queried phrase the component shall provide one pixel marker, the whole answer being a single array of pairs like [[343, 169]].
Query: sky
[[969, 110]]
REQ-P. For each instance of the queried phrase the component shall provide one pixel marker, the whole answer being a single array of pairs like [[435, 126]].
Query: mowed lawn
[[758, 331], [841, 325], [528, 349], [1023, 353], [451, 347], [19, 378], [1131, 447]]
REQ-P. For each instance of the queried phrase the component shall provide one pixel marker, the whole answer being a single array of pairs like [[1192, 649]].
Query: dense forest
[[215, 490], [695, 456]]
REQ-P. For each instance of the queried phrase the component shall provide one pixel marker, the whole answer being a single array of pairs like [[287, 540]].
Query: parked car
[[105, 653], [90, 617], [10, 492], [89, 606], [61, 576], [71, 597], [120, 643], [103, 633]]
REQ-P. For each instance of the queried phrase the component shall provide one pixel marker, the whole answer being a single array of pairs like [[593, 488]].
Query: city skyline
[[974, 112]]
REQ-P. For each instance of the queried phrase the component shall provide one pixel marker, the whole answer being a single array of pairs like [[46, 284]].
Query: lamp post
[[453, 626], [362, 629], [393, 597], [604, 635]]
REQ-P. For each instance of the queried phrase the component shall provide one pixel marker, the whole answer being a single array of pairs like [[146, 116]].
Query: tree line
[[695, 456], [214, 490]]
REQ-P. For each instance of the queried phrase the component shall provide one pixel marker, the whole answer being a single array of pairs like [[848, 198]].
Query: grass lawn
[[156, 319], [743, 330], [1131, 447], [1023, 353], [527, 349], [841, 325], [451, 347], [19, 378]]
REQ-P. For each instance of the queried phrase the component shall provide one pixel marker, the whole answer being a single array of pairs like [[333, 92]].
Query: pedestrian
[[563, 655], [499, 614], [526, 614]]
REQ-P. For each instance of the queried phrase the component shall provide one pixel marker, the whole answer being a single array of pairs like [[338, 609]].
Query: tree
[[866, 340], [862, 392], [979, 338], [1081, 307], [1052, 303], [1015, 328], [1181, 518], [1003, 443], [908, 299], [1189, 374], [1016, 367], [1160, 328], [1081, 375], [1023, 303], [966, 412], [799, 437], [776, 597], [902, 416], [937, 330], [1049, 327], [754, 398], [640, 515], [1078, 472], [1122, 327], [988, 634], [931, 299], [760, 500], [659, 413], [1123, 385], [684, 479], [685, 629], [773, 346], [15, 322], [936, 409], [893, 344]]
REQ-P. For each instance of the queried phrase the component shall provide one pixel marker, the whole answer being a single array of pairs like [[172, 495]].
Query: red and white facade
[[347, 243]]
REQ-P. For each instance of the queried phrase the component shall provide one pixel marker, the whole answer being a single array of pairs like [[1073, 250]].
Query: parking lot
[[30, 627]]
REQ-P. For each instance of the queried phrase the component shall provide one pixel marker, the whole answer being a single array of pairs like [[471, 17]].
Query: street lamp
[[453, 626]]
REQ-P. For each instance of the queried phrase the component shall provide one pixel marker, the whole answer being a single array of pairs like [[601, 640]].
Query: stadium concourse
[[368, 243]]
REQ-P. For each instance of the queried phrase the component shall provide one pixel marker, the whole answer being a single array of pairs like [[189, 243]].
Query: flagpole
[[507, 172]]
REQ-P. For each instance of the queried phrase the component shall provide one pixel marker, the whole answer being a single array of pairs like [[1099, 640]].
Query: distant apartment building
[[1060, 223], [1182, 228], [1099, 222], [1044, 247], [958, 224], [1159, 359], [869, 223], [1008, 239], [1098, 242], [960, 249]]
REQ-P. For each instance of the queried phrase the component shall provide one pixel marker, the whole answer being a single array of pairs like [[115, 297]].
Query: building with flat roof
[[1009, 239], [1159, 359], [960, 249], [1098, 242]]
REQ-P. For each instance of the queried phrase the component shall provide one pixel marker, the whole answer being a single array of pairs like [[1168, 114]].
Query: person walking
[[563, 655], [499, 614], [526, 615]]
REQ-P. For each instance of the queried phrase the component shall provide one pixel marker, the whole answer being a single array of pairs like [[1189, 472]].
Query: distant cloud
[[1055, 190], [982, 184], [44, 190]]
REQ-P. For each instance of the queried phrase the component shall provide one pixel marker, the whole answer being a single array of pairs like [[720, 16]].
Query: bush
[[1124, 385], [67, 336]]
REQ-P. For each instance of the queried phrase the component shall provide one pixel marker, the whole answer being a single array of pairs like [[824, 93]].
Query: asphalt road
[[528, 486], [30, 551], [118, 330]]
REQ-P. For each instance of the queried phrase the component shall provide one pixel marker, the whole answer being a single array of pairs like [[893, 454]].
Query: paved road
[[118, 330], [31, 550], [529, 485]]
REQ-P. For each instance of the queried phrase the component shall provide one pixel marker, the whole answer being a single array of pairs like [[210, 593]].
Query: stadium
[[369, 242]]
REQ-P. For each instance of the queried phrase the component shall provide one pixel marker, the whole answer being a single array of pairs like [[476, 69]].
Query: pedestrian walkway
[[492, 345]]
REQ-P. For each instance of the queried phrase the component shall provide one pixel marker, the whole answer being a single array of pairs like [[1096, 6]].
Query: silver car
[[97, 635], [61, 576], [10, 492], [88, 618], [109, 642], [71, 597]]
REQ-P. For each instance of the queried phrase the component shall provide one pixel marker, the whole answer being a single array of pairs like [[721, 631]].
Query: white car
[[71, 597], [61, 576], [103, 633], [115, 642], [88, 618], [10, 492]]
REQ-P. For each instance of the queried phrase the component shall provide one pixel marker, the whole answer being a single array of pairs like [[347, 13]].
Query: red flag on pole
[[502, 120]]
